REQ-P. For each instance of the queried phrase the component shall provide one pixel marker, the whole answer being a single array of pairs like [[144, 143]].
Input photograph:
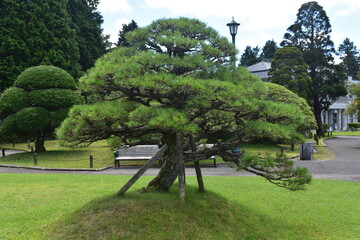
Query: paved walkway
[[346, 166]]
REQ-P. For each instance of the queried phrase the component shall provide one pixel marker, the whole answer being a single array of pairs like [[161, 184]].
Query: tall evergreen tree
[[311, 34], [122, 41], [250, 56], [87, 23], [349, 55], [269, 49], [34, 33]]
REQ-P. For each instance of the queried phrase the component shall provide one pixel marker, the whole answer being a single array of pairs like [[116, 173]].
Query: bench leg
[[117, 164]]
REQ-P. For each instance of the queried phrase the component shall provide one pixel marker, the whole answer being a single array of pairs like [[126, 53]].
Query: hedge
[[354, 125]]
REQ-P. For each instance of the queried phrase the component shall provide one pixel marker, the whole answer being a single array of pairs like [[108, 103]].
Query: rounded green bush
[[12, 100], [54, 98], [32, 119], [42, 77]]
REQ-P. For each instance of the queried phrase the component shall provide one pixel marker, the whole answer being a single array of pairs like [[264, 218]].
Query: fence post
[[3, 152], [35, 158], [91, 161]]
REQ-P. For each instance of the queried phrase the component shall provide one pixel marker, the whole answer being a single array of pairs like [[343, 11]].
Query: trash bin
[[306, 150]]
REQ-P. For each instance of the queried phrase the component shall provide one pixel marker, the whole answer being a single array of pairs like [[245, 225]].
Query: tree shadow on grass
[[162, 216]]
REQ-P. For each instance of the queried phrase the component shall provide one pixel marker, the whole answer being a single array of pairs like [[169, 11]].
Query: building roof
[[259, 67]]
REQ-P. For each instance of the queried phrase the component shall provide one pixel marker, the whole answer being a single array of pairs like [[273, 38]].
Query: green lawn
[[62, 157], [350, 133], [66, 206]]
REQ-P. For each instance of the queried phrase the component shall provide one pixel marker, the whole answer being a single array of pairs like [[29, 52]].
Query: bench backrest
[[139, 150]]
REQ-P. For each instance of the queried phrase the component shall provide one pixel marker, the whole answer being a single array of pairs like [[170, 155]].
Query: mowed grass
[[57, 156], [84, 207], [350, 133]]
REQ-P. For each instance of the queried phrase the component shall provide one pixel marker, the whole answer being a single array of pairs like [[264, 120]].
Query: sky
[[260, 20]]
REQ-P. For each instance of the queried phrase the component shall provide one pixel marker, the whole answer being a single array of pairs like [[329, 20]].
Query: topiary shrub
[[13, 100], [32, 119], [54, 98], [37, 104], [43, 77]]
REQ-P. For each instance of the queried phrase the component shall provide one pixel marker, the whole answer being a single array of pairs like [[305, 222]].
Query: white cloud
[[114, 6]]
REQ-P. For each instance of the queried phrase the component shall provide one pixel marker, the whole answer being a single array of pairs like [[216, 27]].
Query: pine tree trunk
[[39, 144], [168, 172]]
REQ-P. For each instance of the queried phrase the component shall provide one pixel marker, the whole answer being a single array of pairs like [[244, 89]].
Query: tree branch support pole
[[142, 170], [181, 166], [197, 166]]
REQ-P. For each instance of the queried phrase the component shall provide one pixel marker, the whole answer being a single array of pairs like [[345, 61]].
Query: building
[[335, 117]]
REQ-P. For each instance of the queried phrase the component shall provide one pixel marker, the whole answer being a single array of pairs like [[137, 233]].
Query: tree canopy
[[349, 54], [66, 34], [122, 42], [250, 56], [311, 34], [37, 104], [289, 69], [269, 49], [178, 78], [86, 21]]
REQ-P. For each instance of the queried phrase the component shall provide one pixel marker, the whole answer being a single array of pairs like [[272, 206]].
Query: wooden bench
[[135, 153], [139, 153]]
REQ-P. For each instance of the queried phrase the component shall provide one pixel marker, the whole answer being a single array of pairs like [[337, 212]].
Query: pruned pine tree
[[180, 80]]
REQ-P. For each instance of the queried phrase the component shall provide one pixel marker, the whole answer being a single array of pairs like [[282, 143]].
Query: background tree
[[122, 41], [349, 55], [250, 56], [311, 34], [269, 49], [34, 33], [86, 20], [289, 69], [181, 83], [37, 104]]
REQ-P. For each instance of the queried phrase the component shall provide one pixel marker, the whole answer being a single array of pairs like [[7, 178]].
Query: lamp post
[[233, 26]]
